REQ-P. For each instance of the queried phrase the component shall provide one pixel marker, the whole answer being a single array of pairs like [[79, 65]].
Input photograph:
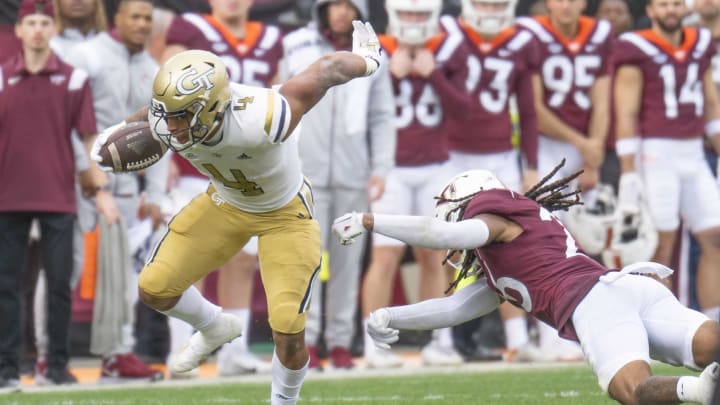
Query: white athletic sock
[[712, 313], [516, 334], [239, 344], [443, 337], [548, 336], [180, 331], [687, 389], [194, 309], [286, 383]]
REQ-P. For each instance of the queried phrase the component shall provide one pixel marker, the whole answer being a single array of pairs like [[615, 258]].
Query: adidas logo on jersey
[[244, 156]]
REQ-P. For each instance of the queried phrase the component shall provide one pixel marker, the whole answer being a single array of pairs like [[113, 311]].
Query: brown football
[[132, 147]]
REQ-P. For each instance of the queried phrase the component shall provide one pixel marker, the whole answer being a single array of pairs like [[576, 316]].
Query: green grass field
[[567, 385]]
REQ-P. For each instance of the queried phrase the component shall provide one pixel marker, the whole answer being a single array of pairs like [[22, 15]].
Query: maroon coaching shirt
[[37, 114], [542, 270]]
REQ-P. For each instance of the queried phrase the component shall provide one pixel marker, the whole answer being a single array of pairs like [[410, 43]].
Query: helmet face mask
[[192, 90], [620, 234], [406, 22], [178, 140], [590, 224], [488, 17]]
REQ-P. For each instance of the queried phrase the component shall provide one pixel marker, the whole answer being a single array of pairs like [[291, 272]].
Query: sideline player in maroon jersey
[[572, 91], [523, 254], [500, 61], [251, 51], [665, 101], [429, 86], [501, 64]]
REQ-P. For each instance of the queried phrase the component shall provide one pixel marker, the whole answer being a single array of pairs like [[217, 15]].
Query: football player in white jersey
[[239, 136]]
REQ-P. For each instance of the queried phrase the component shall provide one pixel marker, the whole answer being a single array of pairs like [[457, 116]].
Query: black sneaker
[[61, 376]]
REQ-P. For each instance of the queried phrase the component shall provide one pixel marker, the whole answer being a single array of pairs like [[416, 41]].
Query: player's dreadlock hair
[[553, 197]]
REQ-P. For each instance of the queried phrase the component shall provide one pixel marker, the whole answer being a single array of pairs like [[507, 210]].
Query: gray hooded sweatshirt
[[350, 134]]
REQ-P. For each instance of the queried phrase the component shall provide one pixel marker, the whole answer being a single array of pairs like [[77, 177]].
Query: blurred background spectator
[[347, 147], [109, 58]]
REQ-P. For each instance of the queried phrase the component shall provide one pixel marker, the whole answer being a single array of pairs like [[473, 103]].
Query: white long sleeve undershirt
[[432, 233], [470, 302]]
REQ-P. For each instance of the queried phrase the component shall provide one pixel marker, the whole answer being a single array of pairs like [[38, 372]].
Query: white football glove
[[377, 326], [348, 227], [367, 45], [630, 190], [99, 142]]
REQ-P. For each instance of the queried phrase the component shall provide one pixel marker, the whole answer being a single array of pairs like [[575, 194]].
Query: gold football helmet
[[192, 85]]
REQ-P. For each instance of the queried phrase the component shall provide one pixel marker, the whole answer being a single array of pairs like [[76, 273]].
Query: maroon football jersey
[[542, 271], [570, 67], [672, 103], [422, 104], [252, 60], [496, 70]]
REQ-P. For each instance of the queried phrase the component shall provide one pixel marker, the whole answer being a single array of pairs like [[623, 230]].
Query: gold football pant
[[208, 232]]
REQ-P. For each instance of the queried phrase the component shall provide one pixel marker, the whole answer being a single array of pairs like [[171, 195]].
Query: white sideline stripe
[[359, 372]]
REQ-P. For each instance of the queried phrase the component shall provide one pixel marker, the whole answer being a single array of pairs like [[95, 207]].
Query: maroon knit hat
[[44, 7]]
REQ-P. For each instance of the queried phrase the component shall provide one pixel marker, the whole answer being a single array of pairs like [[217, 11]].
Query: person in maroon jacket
[[42, 100], [523, 254]]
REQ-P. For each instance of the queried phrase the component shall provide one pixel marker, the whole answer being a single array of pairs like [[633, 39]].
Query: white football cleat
[[201, 344], [229, 364], [434, 354], [186, 375], [708, 380], [382, 358], [528, 353]]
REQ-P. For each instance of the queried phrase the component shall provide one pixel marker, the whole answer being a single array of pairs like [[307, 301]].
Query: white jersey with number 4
[[250, 163]]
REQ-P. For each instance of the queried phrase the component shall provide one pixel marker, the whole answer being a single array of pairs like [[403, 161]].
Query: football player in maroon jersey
[[665, 101], [428, 78], [501, 64], [251, 51], [524, 255], [500, 61], [572, 91]]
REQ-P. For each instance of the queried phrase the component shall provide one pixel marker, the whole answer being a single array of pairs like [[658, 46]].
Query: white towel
[[638, 268], [112, 307]]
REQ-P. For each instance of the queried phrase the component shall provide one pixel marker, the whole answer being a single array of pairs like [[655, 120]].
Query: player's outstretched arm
[[305, 89], [470, 302], [419, 231]]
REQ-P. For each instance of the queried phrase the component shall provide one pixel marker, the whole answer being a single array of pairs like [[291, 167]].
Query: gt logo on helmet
[[200, 81]]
